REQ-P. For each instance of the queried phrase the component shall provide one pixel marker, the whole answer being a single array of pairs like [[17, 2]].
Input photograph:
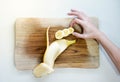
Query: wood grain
[[30, 44]]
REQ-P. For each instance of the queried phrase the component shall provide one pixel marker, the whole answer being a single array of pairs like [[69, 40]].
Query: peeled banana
[[52, 52]]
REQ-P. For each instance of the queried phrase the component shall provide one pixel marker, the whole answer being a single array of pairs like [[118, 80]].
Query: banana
[[64, 33], [52, 52], [55, 49]]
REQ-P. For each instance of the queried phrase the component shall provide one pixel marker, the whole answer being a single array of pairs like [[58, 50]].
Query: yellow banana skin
[[52, 52]]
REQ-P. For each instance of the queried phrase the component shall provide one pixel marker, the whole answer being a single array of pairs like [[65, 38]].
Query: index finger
[[79, 14], [76, 14]]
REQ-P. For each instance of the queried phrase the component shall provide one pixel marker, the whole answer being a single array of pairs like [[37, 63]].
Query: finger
[[79, 15], [78, 21], [72, 23], [79, 35], [73, 10], [73, 13], [80, 12]]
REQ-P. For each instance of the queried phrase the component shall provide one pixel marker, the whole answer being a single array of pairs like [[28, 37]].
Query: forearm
[[90, 31], [112, 50]]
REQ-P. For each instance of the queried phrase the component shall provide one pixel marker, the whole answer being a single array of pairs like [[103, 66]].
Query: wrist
[[99, 36]]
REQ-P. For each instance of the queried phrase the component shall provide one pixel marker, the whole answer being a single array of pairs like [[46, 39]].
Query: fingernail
[[68, 13], [72, 9], [70, 25], [73, 33]]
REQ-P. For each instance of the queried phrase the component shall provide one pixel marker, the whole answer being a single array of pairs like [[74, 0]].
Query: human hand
[[89, 29]]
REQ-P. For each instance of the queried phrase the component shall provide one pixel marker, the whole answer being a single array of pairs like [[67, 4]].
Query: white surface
[[108, 13]]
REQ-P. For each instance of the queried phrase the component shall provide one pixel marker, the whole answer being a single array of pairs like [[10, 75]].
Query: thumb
[[79, 35]]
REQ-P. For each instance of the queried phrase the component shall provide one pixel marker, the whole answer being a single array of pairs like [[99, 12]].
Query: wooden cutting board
[[30, 44]]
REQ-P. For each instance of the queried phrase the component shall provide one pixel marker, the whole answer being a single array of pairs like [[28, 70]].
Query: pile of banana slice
[[64, 33], [53, 51]]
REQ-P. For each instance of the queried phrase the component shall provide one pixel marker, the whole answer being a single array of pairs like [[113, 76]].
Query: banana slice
[[66, 32], [71, 30], [59, 34]]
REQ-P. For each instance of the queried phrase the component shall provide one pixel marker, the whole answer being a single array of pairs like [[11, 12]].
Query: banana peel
[[52, 52]]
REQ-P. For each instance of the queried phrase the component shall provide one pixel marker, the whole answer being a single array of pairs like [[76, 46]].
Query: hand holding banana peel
[[53, 51]]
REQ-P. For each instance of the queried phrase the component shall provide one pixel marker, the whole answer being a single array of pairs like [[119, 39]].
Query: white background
[[108, 13]]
